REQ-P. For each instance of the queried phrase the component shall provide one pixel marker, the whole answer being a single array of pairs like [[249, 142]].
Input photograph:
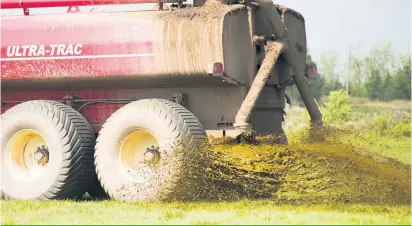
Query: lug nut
[[41, 155], [38, 156], [151, 156]]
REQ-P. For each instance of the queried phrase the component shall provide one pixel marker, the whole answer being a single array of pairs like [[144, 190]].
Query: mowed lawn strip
[[241, 212]]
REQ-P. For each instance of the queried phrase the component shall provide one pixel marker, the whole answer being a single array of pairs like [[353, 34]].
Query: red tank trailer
[[119, 103]]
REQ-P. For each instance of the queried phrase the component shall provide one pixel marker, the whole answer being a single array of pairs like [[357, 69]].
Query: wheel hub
[[136, 147], [152, 155], [41, 155], [27, 149]]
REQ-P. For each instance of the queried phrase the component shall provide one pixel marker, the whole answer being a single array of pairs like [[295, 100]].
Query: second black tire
[[140, 127]]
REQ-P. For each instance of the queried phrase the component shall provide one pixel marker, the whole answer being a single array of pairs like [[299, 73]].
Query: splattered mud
[[330, 171], [304, 172]]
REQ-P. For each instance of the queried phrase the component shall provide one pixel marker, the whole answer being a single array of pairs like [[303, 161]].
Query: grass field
[[376, 105], [350, 178], [241, 212]]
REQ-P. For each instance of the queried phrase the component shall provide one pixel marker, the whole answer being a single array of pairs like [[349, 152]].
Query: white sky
[[335, 25]]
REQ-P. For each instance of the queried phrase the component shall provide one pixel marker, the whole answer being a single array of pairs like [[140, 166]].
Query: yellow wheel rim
[[27, 149], [136, 147]]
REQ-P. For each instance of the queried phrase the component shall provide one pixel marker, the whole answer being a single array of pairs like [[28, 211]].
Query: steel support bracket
[[180, 98]]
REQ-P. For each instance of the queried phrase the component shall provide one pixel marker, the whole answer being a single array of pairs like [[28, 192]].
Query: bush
[[384, 125], [401, 130], [336, 110], [381, 125]]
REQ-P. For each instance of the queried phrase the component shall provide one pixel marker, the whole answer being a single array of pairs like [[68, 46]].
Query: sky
[[340, 25]]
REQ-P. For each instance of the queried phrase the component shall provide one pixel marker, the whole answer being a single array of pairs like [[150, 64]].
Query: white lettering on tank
[[103, 56], [41, 51], [24, 50], [69, 50], [17, 52], [11, 50], [53, 49], [78, 49], [60, 49], [32, 51]]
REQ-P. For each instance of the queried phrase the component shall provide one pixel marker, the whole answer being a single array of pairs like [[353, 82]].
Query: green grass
[[242, 212], [395, 148]]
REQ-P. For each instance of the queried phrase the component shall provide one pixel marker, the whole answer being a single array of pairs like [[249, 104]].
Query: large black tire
[[70, 141], [96, 191], [181, 138]]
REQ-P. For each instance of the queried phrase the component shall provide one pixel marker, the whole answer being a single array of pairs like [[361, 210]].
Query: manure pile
[[307, 172]]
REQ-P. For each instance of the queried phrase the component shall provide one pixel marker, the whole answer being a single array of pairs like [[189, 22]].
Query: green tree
[[402, 80], [387, 89], [317, 87], [330, 86], [357, 77], [378, 76], [373, 81], [336, 109], [377, 66], [327, 66]]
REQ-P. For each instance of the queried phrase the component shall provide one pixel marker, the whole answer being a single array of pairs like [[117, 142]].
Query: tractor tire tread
[[179, 120], [77, 164]]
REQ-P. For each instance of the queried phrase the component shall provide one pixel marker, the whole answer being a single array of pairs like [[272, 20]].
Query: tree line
[[381, 75]]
